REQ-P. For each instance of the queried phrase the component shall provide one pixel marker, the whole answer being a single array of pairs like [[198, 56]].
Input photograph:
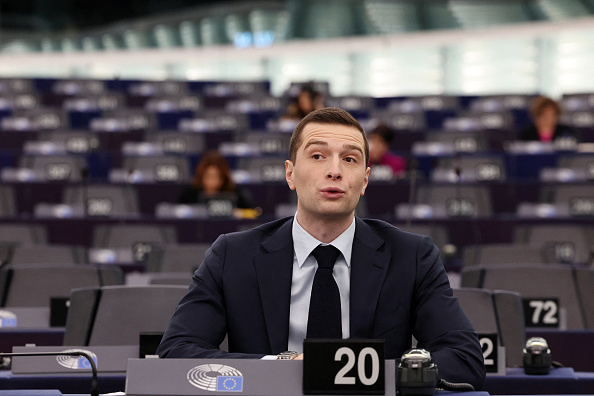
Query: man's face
[[329, 173]]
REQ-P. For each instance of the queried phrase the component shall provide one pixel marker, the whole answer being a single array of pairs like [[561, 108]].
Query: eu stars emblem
[[229, 384]]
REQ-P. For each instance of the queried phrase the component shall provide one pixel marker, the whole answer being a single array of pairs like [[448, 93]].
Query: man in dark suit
[[258, 286]]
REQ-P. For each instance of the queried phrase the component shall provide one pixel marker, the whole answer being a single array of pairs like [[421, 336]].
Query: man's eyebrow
[[316, 142], [346, 146], [352, 147]]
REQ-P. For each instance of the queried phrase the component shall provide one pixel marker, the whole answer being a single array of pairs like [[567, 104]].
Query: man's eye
[[350, 159], [316, 156]]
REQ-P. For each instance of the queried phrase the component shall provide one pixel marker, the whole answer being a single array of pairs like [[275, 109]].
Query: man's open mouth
[[332, 192]]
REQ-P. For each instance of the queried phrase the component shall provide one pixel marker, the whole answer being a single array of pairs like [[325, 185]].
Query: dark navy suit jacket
[[399, 288]]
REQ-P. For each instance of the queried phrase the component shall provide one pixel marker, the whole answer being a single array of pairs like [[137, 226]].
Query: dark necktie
[[324, 319]]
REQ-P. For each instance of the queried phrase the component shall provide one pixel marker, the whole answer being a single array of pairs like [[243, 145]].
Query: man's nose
[[334, 171]]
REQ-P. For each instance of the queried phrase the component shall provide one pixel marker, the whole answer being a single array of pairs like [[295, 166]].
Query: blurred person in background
[[212, 179], [307, 101], [380, 139], [545, 113]]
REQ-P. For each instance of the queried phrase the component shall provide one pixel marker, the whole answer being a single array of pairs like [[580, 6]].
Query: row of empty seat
[[116, 315], [571, 286], [114, 106], [171, 158], [403, 200], [543, 244], [158, 246]]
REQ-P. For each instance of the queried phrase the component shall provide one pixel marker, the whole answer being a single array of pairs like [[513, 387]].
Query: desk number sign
[[541, 312], [343, 367], [490, 348]]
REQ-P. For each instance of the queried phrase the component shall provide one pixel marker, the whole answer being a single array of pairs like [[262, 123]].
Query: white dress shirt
[[304, 269]]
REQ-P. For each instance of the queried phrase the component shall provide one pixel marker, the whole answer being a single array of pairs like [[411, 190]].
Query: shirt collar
[[304, 243]]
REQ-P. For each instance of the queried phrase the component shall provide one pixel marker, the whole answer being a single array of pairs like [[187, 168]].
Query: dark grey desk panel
[[14, 336], [65, 383], [29, 317], [108, 358], [558, 381], [564, 382], [260, 377]]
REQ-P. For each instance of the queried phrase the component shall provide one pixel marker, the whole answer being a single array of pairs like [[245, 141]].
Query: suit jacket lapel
[[369, 267], [274, 271]]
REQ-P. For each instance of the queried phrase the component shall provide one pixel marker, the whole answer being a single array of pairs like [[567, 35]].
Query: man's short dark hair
[[327, 115]]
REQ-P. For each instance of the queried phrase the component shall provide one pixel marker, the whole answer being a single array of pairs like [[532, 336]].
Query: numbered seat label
[[460, 207], [343, 367], [167, 173], [99, 207], [272, 173], [488, 172], [175, 145], [581, 206], [489, 345], [219, 207], [541, 312], [381, 173], [141, 251], [57, 172]]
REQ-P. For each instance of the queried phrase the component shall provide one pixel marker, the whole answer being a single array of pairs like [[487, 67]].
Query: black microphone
[[458, 167], [94, 379]]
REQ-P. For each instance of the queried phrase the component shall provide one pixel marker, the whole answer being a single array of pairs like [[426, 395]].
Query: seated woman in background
[[307, 101], [212, 180], [380, 139], [545, 114]]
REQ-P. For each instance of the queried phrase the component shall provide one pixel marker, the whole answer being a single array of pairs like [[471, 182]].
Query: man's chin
[[335, 213]]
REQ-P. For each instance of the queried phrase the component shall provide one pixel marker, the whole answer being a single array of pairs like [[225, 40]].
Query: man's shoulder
[[380, 226], [260, 232], [389, 231]]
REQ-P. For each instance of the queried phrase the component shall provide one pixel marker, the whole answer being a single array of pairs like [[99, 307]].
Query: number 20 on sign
[[343, 367]]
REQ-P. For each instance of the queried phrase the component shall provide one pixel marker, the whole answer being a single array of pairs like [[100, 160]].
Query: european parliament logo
[[216, 378], [230, 384], [76, 362]]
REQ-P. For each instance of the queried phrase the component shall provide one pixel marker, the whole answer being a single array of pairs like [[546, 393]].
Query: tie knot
[[326, 256]]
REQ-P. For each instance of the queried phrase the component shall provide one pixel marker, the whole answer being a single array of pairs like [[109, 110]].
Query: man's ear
[[289, 174]]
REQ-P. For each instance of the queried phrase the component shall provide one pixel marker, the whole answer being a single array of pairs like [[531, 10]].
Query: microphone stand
[[84, 174], [458, 187], [94, 379]]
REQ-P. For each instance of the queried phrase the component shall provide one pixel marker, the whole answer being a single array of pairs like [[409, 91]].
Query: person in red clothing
[[545, 113], [379, 150]]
